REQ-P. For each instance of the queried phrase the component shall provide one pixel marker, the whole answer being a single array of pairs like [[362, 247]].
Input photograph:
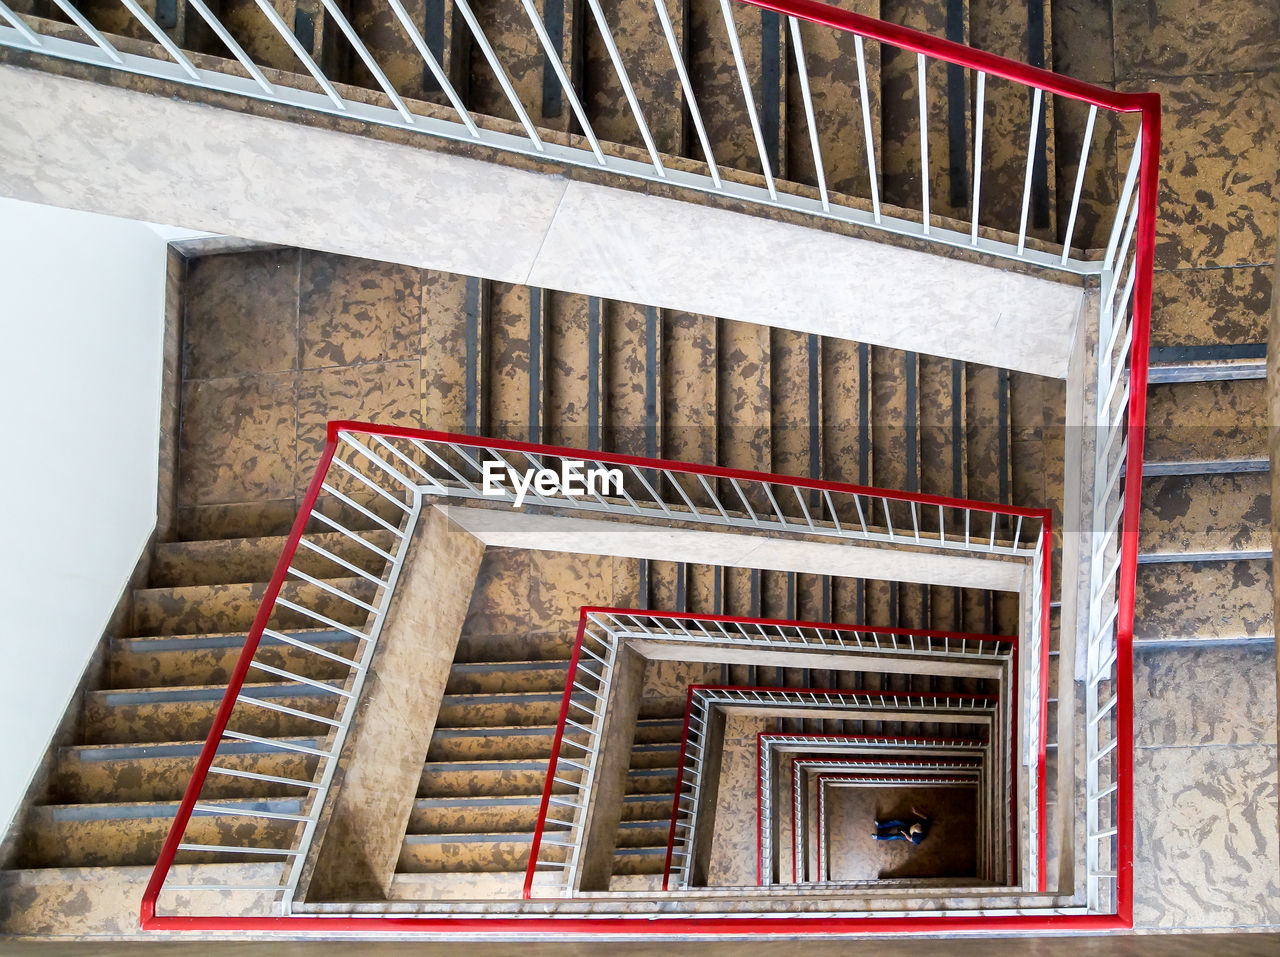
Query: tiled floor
[[947, 851]]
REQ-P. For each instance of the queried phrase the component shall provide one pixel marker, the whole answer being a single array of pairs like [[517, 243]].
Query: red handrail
[[1148, 105], [170, 847], [690, 468]]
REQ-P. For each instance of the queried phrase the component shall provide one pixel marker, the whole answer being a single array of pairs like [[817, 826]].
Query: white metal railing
[[557, 847], [358, 497], [694, 748], [771, 745], [1112, 426], [1005, 232], [379, 478]]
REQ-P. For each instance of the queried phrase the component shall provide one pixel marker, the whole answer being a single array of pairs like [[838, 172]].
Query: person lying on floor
[[915, 830]]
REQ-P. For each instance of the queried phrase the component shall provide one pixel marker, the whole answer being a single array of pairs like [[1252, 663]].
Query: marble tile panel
[[1187, 37], [941, 391], [1218, 169], [500, 602], [383, 393], [511, 361], [353, 311], [688, 387], [744, 391], [1206, 514], [241, 314], [900, 158], [628, 373], [1082, 42], [1207, 421], [569, 412], [237, 442], [1185, 696], [1205, 838], [561, 584], [1196, 307], [443, 350], [831, 58], [789, 354], [844, 394], [1222, 600], [734, 843], [652, 73]]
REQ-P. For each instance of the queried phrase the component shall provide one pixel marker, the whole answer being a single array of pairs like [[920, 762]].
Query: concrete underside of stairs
[[243, 175]]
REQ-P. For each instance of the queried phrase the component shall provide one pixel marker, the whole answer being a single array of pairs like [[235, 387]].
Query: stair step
[[489, 813], [163, 714], [199, 609], [470, 853], [644, 834], [462, 743], [171, 660], [640, 860], [507, 677], [123, 834], [504, 710], [1222, 421], [486, 778], [161, 771], [1185, 517], [1213, 601], [216, 562]]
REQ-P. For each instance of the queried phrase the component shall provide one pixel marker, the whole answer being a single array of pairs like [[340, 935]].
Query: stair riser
[[191, 720], [222, 609], [181, 564], [121, 843], [132, 666], [165, 779]]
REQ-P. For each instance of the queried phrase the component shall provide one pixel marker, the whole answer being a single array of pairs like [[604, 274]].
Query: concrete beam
[[833, 660], [609, 785], [739, 549], [73, 143], [362, 827]]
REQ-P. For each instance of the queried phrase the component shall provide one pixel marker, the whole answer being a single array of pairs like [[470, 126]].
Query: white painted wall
[[82, 314]]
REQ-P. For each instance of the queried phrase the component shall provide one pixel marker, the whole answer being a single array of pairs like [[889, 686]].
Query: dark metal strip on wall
[[595, 373], [912, 373], [1040, 162], [476, 337], [771, 75], [538, 309], [957, 112], [552, 96], [433, 33]]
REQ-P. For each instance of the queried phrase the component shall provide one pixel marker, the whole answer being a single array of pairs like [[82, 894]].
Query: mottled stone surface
[[1205, 825], [1206, 421], [1206, 514], [854, 853], [237, 440], [1205, 307], [1218, 170], [1182, 38], [1208, 600], [1204, 696]]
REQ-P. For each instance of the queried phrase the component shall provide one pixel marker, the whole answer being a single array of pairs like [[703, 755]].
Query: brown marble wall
[[274, 346], [1205, 792]]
